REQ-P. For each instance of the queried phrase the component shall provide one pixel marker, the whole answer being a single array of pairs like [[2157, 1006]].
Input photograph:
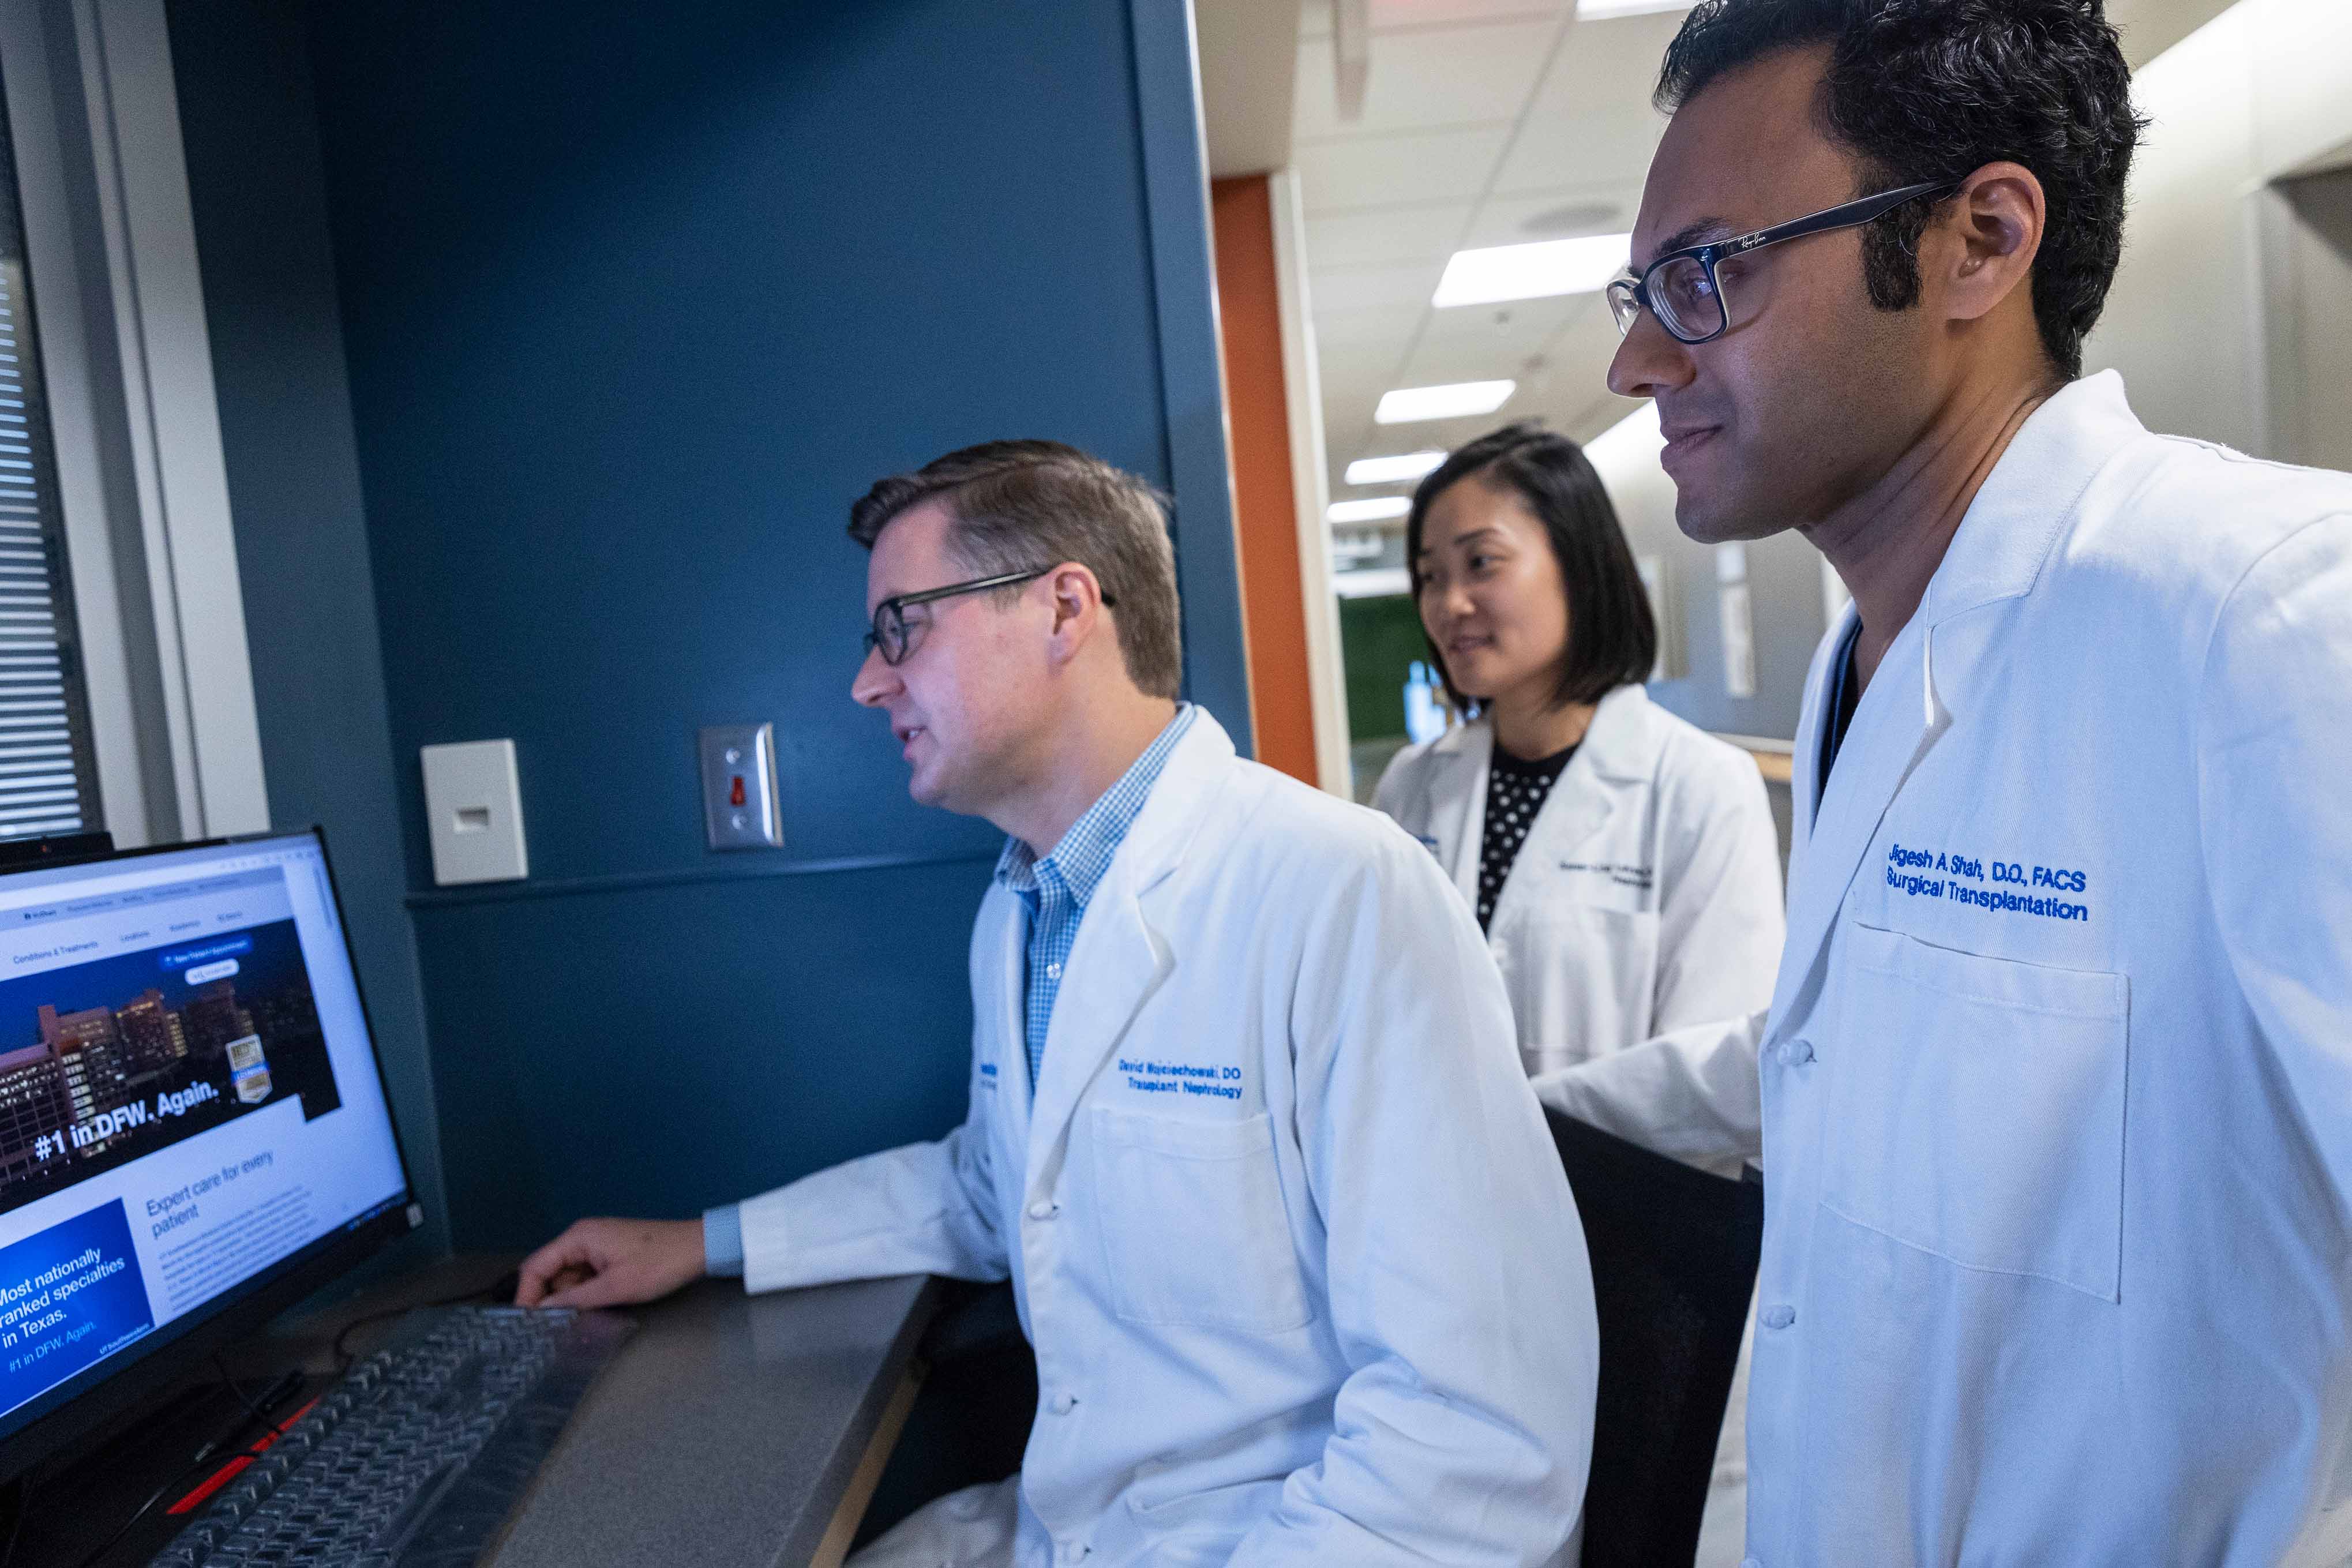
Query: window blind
[[49, 778]]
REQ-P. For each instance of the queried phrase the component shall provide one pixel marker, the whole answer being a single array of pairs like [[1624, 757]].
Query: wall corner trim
[[1192, 373], [195, 593]]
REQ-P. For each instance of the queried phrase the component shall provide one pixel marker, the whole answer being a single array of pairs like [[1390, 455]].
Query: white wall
[[2207, 311], [2231, 318], [1784, 583]]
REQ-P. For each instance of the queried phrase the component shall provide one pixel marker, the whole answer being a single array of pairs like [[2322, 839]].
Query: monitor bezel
[[103, 1405]]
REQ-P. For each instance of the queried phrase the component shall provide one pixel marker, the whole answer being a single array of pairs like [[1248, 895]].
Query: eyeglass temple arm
[[1850, 216], [953, 589]]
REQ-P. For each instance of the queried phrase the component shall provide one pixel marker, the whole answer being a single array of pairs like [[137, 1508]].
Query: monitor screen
[[190, 1102]]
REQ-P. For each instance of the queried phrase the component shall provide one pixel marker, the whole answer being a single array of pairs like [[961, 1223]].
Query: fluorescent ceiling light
[[1402, 468], [1502, 272], [1409, 404], [1379, 509], [1600, 10]]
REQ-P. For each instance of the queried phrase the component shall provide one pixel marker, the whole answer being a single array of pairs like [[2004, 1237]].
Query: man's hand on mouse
[[612, 1263]]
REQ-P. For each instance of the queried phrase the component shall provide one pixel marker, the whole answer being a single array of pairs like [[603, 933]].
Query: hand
[[612, 1263]]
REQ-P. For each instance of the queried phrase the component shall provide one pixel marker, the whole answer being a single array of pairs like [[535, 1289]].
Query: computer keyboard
[[418, 1454]]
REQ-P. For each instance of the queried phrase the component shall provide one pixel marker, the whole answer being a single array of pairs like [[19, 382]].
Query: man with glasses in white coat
[[1248, 1129], [2054, 1095]]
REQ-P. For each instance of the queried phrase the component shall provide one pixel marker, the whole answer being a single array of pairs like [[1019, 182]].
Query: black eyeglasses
[[890, 636], [1682, 289]]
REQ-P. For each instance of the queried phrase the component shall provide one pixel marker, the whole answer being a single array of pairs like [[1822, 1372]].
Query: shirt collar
[[1083, 856]]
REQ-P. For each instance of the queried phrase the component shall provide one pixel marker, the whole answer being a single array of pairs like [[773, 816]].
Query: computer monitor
[[193, 1127]]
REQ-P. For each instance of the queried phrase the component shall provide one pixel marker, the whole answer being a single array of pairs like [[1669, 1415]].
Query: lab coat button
[[1796, 1053], [1780, 1317], [1061, 1404], [1751, 1563], [1074, 1551], [1044, 1209]]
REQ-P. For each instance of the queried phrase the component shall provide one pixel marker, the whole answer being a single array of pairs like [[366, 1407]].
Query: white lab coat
[[1647, 894], [1282, 1220], [2057, 1263], [1646, 897]]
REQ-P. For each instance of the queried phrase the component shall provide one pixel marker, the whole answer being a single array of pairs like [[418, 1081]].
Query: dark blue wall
[[635, 300], [294, 486]]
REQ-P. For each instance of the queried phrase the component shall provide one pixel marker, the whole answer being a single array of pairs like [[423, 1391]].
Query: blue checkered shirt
[[1055, 889]]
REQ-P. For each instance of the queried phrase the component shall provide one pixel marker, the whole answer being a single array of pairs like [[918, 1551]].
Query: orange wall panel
[[1257, 417]]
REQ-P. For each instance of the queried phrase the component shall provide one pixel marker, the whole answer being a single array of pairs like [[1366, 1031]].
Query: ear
[[1992, 232], [1077, 599]]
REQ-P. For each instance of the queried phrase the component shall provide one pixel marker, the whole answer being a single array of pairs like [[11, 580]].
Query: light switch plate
[[738, 787], [473, 812]]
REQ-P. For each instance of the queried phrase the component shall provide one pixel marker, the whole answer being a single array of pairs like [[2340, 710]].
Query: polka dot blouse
[[1515, 792]]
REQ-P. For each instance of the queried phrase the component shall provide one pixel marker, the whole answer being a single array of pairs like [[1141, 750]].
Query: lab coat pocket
[[1193, 1229], [1579, 977], [1976, 1108]]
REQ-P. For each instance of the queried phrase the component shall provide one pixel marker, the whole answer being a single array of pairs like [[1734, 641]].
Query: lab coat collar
[[2030, 497], [1120, 958], [1463, 753], [2024, 507], [1622, 741], [1620, 746]]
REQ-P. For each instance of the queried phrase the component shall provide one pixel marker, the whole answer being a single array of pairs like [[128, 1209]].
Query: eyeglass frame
[[1636, 289], [896, 607]]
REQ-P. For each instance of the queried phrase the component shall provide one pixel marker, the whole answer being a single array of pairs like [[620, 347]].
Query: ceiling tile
[[1389, 199], [1315, 16], [1430, 13], [1388, 170], [1465, 338], [1383, 328], [1370, 287], [1604, 207], [1575, 149], [1426, 78], [1385, 235], [1616, 58], [1591, 122]]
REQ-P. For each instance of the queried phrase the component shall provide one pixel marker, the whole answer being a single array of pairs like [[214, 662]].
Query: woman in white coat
[[1622, 863]]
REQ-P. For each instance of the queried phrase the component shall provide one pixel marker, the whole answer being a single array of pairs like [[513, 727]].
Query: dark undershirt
[[1845, 691], [1515, 790]]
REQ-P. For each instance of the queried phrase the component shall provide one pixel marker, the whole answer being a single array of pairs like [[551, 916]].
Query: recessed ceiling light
[[1501, 272], [1401, 469], [1408, 404], [1602, 10], [1379, 508]]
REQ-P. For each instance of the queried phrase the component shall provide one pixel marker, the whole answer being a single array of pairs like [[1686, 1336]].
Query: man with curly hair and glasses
[[2053, 1100]]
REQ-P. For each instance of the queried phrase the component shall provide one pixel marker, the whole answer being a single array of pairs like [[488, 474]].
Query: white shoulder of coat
[[1643, 740], [1283, 830], [1409, 771], [1685, 751], [2176, 513]]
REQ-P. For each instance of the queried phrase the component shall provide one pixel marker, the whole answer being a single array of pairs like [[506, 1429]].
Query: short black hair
[[1935, 90], [1613, 638]]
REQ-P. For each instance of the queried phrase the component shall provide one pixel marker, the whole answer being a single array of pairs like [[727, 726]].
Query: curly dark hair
[[1934, 89]]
